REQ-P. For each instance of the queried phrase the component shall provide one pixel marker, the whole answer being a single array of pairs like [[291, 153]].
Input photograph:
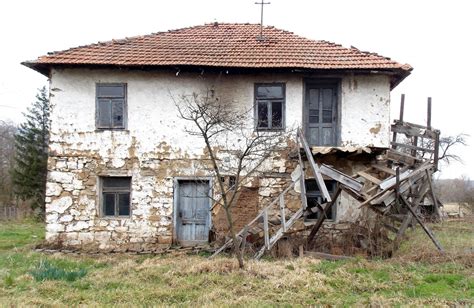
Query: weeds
[[47, 271]]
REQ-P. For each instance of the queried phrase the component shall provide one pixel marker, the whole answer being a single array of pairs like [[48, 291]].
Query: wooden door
[[192, 216], [320, 114]]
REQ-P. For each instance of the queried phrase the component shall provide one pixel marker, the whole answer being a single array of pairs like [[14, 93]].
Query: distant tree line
[[460, 190], [24, 155]]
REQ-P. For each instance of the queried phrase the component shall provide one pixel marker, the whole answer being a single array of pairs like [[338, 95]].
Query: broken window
[[111, 105], [270, 106], [115, 196], [314, 199]]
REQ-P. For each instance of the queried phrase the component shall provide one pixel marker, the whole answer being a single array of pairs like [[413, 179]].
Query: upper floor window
[[270, 106], [111, 105]]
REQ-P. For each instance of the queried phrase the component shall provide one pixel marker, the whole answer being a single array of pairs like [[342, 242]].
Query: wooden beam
[[265, 229], [317, 174], [282, 212], [369, 177], [384, 169], [340, 177], [400, 119], [323, 216], [400, 157], [425, 228], [412, 147], [428, 116], [433, 195], [326, 256], [410, 129]]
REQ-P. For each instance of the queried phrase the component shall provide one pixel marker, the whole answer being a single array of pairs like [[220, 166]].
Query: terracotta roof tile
[[221, 45]]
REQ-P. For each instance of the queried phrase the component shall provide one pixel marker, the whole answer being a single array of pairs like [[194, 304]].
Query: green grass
[[417, 276]]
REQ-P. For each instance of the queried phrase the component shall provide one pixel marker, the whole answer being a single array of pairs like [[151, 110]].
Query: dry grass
[[194, 280]]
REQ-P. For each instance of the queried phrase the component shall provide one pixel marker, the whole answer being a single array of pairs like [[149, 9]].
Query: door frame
[[337, 82], [176, 181]]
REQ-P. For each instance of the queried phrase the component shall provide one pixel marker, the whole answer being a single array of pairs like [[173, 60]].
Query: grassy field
[[417, 275]]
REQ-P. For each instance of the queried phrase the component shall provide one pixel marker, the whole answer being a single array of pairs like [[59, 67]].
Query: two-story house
[[119, 157]]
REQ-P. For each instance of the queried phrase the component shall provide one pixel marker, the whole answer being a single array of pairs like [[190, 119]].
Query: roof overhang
[[396, 75]]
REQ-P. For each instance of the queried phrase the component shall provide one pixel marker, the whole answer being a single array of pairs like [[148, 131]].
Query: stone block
[[54, 227], [60, 177], [59, 205], [53, 189], [85, 237]]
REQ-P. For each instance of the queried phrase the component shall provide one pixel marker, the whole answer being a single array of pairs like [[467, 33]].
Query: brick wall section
[[243, 212]]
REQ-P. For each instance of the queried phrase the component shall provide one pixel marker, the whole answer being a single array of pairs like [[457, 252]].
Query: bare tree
[[7, 154], [233, 146]]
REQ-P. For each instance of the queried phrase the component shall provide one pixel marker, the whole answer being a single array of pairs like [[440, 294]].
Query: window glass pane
[[327, 116], [117, 112], [109, 204], [124, 204], [313, 116], [314, 98], [277, 114], [116, 182], [327, 98], [262, 114], [104, 90], [105, 113], [270, 91]]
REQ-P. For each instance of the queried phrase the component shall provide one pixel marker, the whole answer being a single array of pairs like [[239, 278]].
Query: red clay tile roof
[[222, 45]]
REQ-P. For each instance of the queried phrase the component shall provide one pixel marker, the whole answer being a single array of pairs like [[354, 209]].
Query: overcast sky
[[435, 37]]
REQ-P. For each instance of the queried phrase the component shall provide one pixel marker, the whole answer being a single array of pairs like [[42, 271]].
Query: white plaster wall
[[155, 137], [365, 111]]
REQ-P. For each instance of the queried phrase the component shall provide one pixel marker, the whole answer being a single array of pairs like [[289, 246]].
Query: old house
[[121, 169]]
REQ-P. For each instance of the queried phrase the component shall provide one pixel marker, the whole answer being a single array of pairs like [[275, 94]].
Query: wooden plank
[[425, 228], [317, 174], [265, 229], [412, 147], [304, 202], [400, 157], [369, 177], [244, 239], [326, 256], [282, 212], [279, 233], [323, 216], [393, 180], [402, 107], [436, 151], [411, 130], [383, 191], [398, 238], [341, 177], [384, 169]]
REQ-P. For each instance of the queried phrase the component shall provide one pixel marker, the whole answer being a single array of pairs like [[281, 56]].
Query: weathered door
[[192, 212], [320, 114]]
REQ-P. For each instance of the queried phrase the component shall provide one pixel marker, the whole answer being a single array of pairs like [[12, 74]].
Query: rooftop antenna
[[262, 3]]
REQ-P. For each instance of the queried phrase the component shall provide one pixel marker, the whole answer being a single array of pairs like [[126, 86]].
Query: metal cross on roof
[[262, 3]]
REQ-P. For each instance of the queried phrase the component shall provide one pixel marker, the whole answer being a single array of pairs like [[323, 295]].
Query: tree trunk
[[237, 251]]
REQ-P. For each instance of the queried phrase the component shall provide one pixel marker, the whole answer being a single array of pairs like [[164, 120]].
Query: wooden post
[[323, 215], [402, 108], [265, 229], [436, 151], [433, 195], [397, 184], [425, 228], [400, 119], [428, 116], [282, 212]]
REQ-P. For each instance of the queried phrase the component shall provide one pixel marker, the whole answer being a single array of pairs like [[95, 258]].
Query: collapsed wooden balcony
[[394, 186]]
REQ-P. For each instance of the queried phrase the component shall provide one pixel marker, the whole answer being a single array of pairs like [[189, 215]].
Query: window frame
[[124, 107], [318, 194], [116, 191], [269, 102]]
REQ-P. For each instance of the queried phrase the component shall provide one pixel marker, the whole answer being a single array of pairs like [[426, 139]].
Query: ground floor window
[[314, 198], [115, 196]]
